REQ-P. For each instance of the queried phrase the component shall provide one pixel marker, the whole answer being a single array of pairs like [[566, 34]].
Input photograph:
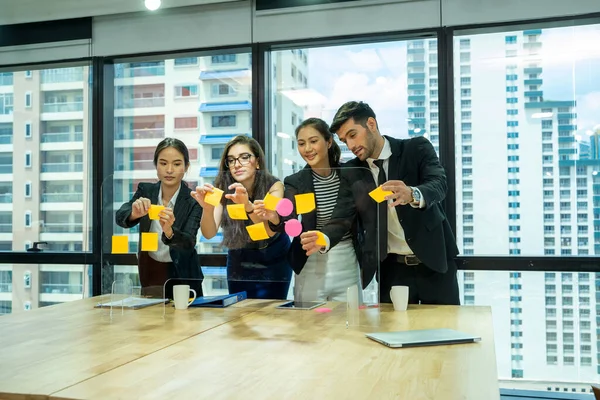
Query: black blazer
[[185, 228], [299, 183], [427, 231]]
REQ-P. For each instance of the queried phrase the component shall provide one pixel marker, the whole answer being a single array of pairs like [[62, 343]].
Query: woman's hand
[[239, 196], [200, 194], [264, 214], [139, 208], [167, 219]]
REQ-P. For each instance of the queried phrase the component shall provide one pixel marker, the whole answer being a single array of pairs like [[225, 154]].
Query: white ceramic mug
[[181, 296], [399, 296]]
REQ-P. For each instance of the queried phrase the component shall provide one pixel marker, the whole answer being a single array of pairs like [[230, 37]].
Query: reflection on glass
[[44, 181]]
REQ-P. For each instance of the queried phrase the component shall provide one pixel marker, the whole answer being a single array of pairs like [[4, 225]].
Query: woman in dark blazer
[[320, 276], [176, 260]]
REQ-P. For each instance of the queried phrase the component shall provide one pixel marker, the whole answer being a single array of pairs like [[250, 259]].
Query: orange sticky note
[[321, 238], [257, 231], [237, 211], [120, 244], [379, 194], [214, 198], [305, 203], [149, 241], [154, 211], [271, 202]]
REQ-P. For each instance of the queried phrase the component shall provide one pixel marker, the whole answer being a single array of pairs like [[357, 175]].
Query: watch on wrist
[[416, 195]]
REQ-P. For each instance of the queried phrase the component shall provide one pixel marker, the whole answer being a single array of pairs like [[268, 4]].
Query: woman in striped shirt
[[320, 276]]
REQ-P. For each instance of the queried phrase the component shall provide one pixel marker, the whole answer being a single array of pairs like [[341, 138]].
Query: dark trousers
[[154, 274], [425, 285], [260, 289]]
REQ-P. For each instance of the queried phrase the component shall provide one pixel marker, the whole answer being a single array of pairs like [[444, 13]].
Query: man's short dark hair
[[359, 111]]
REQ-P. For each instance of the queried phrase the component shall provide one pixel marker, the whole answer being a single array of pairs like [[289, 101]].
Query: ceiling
[[21, 11]]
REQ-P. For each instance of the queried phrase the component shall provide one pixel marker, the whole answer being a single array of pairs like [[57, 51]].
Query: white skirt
[[327, 277]]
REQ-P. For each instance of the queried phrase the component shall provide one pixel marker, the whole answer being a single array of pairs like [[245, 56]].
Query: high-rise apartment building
[[526, 184]]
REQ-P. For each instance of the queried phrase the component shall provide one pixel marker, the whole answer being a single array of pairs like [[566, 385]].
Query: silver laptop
[[425, 337]]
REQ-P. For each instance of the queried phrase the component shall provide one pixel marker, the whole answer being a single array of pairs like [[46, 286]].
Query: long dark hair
[[333, 152], [235, 235]]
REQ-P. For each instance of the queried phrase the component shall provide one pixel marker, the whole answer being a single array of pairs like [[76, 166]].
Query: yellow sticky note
[[257, 231], [214, 198], [149, 241], [321, 238], [120, 244], [305, 203], [154, 211], [379, 194], [271, 202], [237, 211]]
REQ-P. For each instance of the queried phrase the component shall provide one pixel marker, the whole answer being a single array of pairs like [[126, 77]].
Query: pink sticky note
[[293, 227], [322, 310], [285, 207]]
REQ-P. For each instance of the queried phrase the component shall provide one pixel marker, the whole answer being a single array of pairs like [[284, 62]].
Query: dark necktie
[[382, 214]]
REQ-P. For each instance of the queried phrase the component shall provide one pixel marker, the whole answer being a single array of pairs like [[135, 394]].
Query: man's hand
[[401, 195]]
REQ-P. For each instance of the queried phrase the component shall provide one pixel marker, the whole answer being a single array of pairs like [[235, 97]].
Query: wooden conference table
[[249, 350]]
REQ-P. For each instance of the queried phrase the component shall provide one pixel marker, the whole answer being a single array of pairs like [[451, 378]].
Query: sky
[[376, 73]]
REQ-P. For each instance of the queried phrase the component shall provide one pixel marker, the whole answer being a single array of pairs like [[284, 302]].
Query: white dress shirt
[[162, 254], [396, 240]]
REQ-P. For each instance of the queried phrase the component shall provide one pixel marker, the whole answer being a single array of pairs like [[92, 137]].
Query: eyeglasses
[[243, 159]]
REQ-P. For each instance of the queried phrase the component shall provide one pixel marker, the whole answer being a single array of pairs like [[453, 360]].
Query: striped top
[[326, 192]]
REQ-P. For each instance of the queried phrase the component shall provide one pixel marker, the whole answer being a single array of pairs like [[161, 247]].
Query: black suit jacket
[[299, 183], [185, 228], [426, 230]]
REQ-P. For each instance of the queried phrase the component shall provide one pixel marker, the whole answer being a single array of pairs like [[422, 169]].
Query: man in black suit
[[416, 245]]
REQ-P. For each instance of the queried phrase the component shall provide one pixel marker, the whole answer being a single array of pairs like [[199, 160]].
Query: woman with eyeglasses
[[258, 267], [176, 260]]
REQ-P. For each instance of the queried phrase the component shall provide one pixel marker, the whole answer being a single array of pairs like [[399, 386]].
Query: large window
[[393, 77], [531, 133], [45, 175]]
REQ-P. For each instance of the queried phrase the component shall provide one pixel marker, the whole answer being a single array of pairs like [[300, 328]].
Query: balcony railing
[[62, 167], [58, 227], [5, 287], [62, 288], [63, 107], [151, 133], [6, 198], [62, 197], [6, 228], [150, 70], [6, 168], [6, 80], [62, 137], [141, 102], [6, 139], [60, 76]]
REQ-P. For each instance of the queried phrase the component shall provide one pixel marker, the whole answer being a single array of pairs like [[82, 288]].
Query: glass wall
[[204, 101], [45, 175]]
